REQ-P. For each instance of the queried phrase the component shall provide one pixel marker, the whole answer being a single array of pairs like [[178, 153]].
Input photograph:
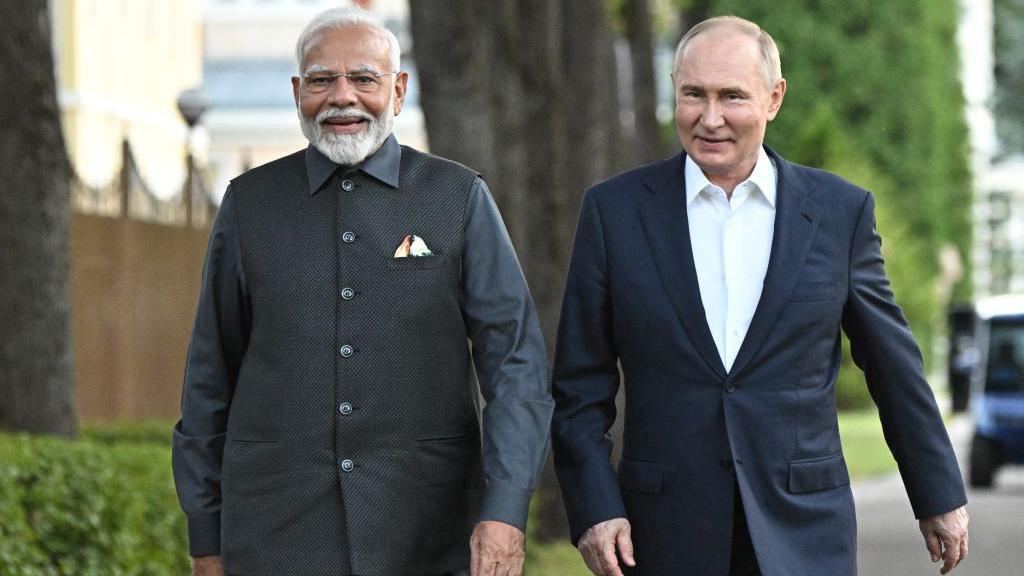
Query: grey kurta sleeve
[[215, 351], [509, 354]]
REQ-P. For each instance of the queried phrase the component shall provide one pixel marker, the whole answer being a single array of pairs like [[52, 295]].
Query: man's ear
[[401, 84], [775, 98], [295, 89]]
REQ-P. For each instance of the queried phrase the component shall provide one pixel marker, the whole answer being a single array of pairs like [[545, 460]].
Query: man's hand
[[945, 536], [207, 566], [599, 543], [497, 549]]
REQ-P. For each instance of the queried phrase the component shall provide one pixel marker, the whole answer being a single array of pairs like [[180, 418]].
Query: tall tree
[[646, 137], [525, 91], [36, 392]]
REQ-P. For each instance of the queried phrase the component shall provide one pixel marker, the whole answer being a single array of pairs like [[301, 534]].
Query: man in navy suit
[[718, 280]]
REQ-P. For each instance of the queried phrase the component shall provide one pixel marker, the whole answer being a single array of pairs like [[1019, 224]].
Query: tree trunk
[[647, 140], [524, 91], [36, 390], [695, 12]]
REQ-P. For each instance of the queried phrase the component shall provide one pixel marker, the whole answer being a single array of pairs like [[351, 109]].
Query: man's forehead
[[359, 47]]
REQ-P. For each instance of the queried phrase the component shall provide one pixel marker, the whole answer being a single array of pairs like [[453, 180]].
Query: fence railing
[[127, 196]]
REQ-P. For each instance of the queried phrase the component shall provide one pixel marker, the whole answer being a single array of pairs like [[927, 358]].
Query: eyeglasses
[[362, 81]]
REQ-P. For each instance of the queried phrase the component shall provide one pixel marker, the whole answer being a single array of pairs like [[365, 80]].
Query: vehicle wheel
[[984, 461]]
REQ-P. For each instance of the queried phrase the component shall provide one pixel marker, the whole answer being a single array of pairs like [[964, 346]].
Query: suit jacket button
[[347, 293], [730, 387], [345, 408], [346, 351], [348, 237], [347, 185], [347, 465]]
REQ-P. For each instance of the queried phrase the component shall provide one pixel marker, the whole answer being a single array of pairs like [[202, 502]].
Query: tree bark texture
[[647, 140], [525, 92], [36, 388]]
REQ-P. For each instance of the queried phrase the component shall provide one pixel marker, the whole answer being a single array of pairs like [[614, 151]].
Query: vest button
[[348, 237], [345, 408], [346, 351], [347, 465], [347, 185], [347, 293]]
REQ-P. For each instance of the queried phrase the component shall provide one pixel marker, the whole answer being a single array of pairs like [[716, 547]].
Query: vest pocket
[[818, 474], [416, 263]]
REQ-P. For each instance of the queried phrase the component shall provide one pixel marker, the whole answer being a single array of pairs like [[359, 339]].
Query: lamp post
[[191, 104]]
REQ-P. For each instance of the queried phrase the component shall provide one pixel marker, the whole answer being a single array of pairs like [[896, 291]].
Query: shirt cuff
[[204, 535], [506, 503]]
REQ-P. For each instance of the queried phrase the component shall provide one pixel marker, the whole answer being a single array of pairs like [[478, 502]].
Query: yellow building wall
[[121, 65]]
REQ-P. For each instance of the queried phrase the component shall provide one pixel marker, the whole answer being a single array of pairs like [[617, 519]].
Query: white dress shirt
[[732, 241]]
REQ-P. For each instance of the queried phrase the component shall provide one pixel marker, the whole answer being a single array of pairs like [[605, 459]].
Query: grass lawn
[[866, 452], [866, 456]]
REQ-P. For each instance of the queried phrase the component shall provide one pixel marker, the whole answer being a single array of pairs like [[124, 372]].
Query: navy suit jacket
[[692, 429]]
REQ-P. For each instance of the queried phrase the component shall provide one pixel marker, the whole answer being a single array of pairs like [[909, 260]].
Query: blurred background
[[121, 122]]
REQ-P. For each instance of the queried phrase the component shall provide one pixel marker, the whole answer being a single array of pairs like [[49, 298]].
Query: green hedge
[[87, 508]]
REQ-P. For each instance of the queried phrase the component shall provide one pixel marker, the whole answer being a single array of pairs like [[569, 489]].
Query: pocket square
[[412, 246]]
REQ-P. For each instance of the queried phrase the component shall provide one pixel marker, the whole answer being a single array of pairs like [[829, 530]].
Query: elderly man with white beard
[[353, 295]]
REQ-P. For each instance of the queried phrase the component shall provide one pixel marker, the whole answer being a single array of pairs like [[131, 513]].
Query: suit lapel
[[796, 220], [663, 213]]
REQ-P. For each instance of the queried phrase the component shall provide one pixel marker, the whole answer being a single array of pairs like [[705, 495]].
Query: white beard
[[349, 149]]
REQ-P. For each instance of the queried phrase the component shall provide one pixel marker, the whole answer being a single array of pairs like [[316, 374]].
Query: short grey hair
[[771, 64], [340, 19]]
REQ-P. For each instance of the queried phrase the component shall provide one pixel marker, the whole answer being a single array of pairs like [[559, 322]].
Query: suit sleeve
[[585, 382], [218, 341], [884, 348], [511, 363]]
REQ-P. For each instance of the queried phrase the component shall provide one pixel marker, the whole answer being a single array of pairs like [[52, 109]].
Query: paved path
[[890, 544]]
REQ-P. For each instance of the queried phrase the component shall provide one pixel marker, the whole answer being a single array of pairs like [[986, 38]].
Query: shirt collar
[[382, 165], [763, 177]]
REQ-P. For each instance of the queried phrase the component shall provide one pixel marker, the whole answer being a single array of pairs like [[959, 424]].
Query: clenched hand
[[600, 542], [497, 549], [945, 536]]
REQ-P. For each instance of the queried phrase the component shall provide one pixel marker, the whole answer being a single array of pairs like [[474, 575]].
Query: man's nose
[[342, 94], [712, 116]]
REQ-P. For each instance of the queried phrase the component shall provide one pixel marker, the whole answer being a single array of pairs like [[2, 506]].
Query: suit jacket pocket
[[818, 474], [809, 291], [640, 475]]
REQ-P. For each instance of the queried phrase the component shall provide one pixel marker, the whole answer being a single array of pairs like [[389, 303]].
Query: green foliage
[[156, 432], [81, 508], [874, 95], [1009, 54]]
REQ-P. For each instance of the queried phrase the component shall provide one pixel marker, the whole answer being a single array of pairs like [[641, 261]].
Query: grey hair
[[771, 64], [339, 19]]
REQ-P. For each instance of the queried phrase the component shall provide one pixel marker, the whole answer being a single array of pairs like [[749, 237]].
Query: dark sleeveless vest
[[353, 442]]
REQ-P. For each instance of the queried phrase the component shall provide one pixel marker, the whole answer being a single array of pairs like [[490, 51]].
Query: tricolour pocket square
[[412, 246]]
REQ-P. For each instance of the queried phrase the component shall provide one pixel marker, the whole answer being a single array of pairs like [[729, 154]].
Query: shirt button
[[345, 408], [346, 351], [347, 185], [730, 387], [348, 237], [347, 293], [347, 465]]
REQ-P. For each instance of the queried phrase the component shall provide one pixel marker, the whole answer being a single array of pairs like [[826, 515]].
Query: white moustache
[[344, 113]]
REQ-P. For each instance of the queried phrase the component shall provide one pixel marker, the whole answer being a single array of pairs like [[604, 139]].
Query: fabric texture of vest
[[353, 441]]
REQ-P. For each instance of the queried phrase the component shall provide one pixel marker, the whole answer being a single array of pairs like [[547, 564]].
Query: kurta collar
[[382, 165]]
